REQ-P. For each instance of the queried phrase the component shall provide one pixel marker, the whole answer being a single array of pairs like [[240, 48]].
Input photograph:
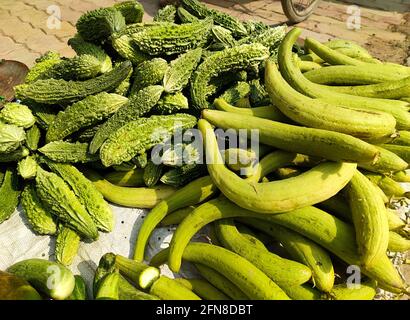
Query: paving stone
[[82, 6], [23, 34], [66, 29], [46, 43]]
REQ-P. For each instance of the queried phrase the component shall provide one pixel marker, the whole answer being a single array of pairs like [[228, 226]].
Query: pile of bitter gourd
[[334, 146]]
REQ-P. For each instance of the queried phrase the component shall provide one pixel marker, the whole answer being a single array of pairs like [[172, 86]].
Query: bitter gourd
[[148, 73], [33, 136], [40, 219], [44, 114], [42, 65], [57, 197], [124, 87], [127, 49], [180, 70], [184, 15], [270, 38], [133, 11], [237, 58], [14, 156], [67, 245], [223, 36], [152, 173], [99, 24], [84, 113], [78, 68], [173, 38], [140, 160], [9, 194], [17, 114], [82, 47], [166, 14], [227, 21], [138, 105], [11, 137], [140, 135], [27, 167], [171, 103], [258, 95], [87, 194], [62, 151], [58, 91], [237, 92]]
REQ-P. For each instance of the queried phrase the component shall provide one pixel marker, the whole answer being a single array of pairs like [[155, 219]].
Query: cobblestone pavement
[[25, 31]]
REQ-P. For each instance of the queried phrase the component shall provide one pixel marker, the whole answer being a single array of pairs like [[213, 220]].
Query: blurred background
[[29, 28]]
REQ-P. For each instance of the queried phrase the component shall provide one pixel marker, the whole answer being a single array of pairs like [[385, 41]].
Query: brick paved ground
[[24, 31]]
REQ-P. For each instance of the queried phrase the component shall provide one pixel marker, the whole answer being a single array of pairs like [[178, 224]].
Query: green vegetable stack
[[334, 144]]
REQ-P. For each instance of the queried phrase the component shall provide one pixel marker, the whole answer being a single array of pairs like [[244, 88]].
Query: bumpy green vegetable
[[223, 37], [13, 156], [57, 196], [258, 95], [33, 136], [82, 47], [172, 38], [9, 194], [42, 65], [166, 14], [67, 244], [78, 68], [140, 135], [237, 92], [180, 70], [53, 91], [270, 38], [231, 59], [39, 218], [171, 103], [140, 160], [87, 134], [27, 167], [185, 16], [84, 113], [133, 11], [148, 73], [152, 173], [202, 11], [67, 152], [44, 113], [17, 114], [127, 49], [99, 24], [87, 194], [11, 137], [138, 105], [180, 176]]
